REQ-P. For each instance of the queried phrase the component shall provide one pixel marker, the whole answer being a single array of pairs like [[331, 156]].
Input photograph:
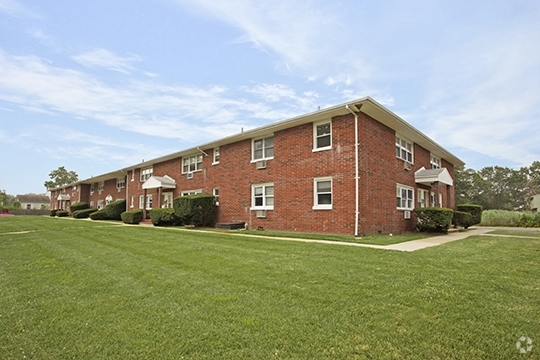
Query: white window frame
[[133, 175], [146, 173], [167, 200], [264, 148], [148, 201], [101, 186], [432, 200], [404, 149], [316, 204], [423, 198], [215, 192], [316, 137], [215, 156], [266, 195], [409, 202], [120, 183], [91, 204], [191, 192], [435, 161], [192, 160], [100, 204], [132, 202], [91, 188]]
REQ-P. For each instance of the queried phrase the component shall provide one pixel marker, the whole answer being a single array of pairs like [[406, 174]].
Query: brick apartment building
[[355, 168]]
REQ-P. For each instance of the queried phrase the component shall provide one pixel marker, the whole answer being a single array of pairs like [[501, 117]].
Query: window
[[322, 136], [435, 162], [91, 189], [191, 163], [422, 198], [100, 204], [434, 202], [322, 188], [191, 192], [28, 206], [120, 183], [215, 192], [263, 149], [405, 197], [101, 186], [148, 201], [216, 156], [132, 202], [108, 199], [74, 189], [404, 149], [92, 204], [146, 173], [262, 197], [132, 175], [167, 200]]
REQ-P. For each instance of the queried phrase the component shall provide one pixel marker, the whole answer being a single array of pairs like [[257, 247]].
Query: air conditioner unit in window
[[407, 215], [261, 214], [190, 175], [261, 164], [407, 165]]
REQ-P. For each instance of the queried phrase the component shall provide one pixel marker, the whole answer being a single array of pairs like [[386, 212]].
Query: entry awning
[[63, 197], [429, 176], [165, 182]]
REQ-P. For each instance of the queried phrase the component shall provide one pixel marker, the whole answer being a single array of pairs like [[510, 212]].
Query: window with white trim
[[100, 204], [435, 162], [191, 192], [405, 197], [433, 200], [146, 173], [120, 183], [148, 201], [263, 149], [215, 192], [404, 149], [108, 199], [322, 135], [132, 202], [101, 186], [216, 156], [91, 204], [91, 189], [262, 197], [167, 200], [191, 163], [322, 189], [133, 175], [423, 198]]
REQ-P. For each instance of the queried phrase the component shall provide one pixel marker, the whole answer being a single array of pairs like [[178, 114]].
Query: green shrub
[[62, 213], [529, 219], [99, 215], [53, 212], [433, 219], [474, 210], [115, 209], [500, 218], [198, 210], [79, 206], [462, 219], [83, 213], [132, 216], [164, 217]]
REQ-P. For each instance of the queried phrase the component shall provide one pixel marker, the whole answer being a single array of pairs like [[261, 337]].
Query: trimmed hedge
[[79, 206], [164, 217], [99, 215], [462, 219], [83, 213], [53, 212], [115, 209], [132, 216], [198, 210], [62, 213], [431, 219], [474, 210]]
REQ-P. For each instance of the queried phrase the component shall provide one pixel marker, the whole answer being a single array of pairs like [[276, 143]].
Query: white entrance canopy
[[164, 182], [63, 197], [429, 176]]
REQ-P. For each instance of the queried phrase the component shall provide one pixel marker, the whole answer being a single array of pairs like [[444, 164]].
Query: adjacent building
[[355, 168], [33, 201]]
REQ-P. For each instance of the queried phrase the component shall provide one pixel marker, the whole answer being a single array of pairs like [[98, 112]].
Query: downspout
[[357, 205], [127, 188]]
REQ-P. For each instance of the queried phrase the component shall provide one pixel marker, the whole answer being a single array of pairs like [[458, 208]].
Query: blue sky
[[99, 85]]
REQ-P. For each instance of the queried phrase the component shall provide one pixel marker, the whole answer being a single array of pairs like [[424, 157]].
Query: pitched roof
[[33, 199]]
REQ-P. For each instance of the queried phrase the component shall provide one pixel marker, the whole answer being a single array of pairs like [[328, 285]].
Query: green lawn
[[530, 233], [79, 289]]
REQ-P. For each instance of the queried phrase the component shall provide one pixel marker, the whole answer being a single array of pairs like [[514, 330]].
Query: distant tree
[[60, 177], [6, 199]]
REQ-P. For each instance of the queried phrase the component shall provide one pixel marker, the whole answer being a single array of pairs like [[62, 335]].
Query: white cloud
[[104, 58], [16, 9]]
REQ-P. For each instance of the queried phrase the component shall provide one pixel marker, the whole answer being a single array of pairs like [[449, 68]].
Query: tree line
[[497, 187]]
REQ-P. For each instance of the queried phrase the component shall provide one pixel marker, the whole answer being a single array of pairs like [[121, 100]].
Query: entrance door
[[167, 200]]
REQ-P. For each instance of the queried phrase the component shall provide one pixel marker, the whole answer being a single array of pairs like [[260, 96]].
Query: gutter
[[356, 179]]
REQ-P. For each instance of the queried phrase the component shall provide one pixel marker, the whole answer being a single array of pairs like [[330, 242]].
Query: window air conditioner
[[407, 165], [261, 213], [407, 215], [261, 164], [190, 175]]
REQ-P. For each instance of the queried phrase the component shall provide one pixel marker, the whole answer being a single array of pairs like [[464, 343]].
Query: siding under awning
[[429, 176]]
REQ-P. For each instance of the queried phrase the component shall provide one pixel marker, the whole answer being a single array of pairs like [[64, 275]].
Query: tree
[[6, 199], [61, 177]]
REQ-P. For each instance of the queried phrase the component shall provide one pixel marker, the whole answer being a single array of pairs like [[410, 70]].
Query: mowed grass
[[72, 289]]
